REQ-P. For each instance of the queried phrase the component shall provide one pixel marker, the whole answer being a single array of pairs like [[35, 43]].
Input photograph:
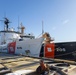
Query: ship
[[49, 49], [58, 50], [9, 35], [20, 53], [15, 42]]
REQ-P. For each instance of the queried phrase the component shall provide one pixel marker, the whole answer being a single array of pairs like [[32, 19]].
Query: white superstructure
[[22, 41], [8, 36], [29, 47]]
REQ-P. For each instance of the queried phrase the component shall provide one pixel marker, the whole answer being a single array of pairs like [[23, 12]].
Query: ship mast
[[22, 28], [18, 23], [42, 28]]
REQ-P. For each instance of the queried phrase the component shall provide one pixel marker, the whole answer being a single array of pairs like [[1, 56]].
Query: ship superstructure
[[10, 35]]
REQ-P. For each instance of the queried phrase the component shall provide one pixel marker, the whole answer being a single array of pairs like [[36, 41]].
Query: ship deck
[[15, 62], [18, 63]]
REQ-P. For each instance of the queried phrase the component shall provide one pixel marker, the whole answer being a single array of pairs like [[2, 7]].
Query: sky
[[58, 16]]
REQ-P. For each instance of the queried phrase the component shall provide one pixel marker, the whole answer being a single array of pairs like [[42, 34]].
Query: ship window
[[27, 37], [20, 39]]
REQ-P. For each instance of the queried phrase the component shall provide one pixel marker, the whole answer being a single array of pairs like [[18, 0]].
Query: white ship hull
[[3, 48], [29, 47]]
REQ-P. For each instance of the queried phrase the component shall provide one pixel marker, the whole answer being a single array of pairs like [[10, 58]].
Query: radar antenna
[[6, 22]]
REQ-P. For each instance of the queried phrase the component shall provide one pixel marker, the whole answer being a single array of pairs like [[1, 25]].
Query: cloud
[[65, 22]]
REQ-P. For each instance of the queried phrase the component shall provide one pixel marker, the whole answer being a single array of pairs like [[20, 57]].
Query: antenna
[[18, 23], [42, 28], [4, 17]]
